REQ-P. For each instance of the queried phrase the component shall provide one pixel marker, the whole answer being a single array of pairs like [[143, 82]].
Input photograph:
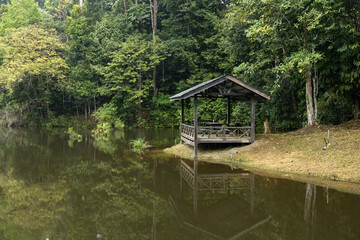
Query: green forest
[[117, 62]]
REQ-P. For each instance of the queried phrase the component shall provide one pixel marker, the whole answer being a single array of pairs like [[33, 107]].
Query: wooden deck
[[215, 134]]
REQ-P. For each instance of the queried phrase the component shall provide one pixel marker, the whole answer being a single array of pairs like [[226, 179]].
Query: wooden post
[[182, 111], [228, 111], [195, 128], [252, 119], [182, 120]]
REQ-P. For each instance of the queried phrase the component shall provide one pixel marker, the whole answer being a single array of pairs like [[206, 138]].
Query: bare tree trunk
[[125, 10], [309, 98], [140, 89], [356, 108], [153, 11], [267, 127], [81, 3], [315, 90], [309, 94], [85, 111], [94, 103]]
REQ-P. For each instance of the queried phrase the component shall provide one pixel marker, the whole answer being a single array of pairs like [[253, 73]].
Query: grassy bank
[[297, 155]]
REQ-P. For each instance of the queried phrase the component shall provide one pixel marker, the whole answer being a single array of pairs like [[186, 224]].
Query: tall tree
[[33, 66], [154, 6], [18, 14]]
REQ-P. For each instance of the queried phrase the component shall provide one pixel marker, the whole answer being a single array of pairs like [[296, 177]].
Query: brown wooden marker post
[[252, 119]]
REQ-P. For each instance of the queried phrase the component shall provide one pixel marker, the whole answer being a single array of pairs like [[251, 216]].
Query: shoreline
[[297, 156]]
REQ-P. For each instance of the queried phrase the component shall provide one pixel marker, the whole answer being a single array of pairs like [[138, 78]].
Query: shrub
[[139, 145]]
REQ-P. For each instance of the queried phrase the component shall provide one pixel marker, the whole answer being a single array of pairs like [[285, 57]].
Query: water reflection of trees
[[307, 211], [50, 189]]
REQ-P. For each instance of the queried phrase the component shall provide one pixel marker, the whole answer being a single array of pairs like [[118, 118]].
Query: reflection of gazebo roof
[[225, 219]]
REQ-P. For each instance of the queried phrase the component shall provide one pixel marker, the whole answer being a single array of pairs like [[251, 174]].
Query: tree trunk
[[309, 98], [81, 3], [309, 94], [267, 127], [94, 103], [125, 10], [315, 90], [153, 11], [85, 111]]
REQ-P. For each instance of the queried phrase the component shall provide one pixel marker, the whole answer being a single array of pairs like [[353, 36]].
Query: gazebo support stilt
[[182, 117], [252, 119], [195, 128]]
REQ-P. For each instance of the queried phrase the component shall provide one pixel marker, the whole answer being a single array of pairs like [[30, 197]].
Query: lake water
[[100, 189]]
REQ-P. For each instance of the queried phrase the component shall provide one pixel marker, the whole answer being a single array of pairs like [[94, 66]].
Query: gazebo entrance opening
[[210, 132]]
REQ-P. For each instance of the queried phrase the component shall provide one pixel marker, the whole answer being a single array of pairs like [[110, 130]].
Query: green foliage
[[139, 145], [20, 13], [63, 59], [11, 114], [32, 66], [73, 136], [107, 114]]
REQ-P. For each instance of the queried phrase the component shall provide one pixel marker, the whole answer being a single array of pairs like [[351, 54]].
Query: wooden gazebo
[[227, 87]]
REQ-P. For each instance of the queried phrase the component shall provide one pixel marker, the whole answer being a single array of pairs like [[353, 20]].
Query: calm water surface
[[50, 188]]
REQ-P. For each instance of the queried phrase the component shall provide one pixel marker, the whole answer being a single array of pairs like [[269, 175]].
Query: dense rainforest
[[117, 62]]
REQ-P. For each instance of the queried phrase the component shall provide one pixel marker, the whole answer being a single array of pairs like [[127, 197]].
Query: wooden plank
[[220, 140], [241, 83], [198, 88], [252, 119], [191, 143]]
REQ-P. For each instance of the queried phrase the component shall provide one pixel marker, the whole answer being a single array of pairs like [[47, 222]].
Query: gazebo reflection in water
[[222, 202]]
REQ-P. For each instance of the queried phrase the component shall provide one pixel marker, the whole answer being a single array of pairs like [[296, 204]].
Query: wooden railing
[[215, 132], [187, 131], [224, 132]]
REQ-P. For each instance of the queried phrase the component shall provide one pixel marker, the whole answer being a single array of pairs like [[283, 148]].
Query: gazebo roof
[[224, 86]]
